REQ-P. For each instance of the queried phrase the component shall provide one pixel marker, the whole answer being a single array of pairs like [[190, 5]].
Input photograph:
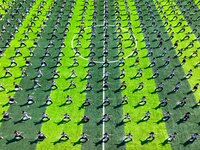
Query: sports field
[[99, 74]]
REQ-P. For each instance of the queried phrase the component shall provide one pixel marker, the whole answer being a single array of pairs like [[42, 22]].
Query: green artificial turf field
[[82, 41]]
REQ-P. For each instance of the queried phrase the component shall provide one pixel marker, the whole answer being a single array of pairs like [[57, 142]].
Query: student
[[171, 74], [73, 74], [186, 116], [151, 136], [156, 74], [86, 102], [105, 118], [91, 62], [66, 117], [153, 62], [177, 86], [25, 116], [106, 102], [63, 136], [36, 83], [48, 100], [143, 101], [128, 137], [2, 87], [84, 137], [18, 135], [166, 116], [123, 85], [17, 87], [106, 137], [7, 72], [45, 117], [194, 53], [193, 137], [30, 99], [195, 88], [139, 73], [85, 119], [122, 75], [11, 100], [121, 62], [17, 52], [180, 53], [68, 99], [88, 75], [6, 116], [160, 87], [167, 61], [172, 137], [24, 74], [182, 102], [127, 117], [189, 74], [89, 86], [147, 116], [184, 60], [40, 136], [141, 86], [124, 100], [72, 84]]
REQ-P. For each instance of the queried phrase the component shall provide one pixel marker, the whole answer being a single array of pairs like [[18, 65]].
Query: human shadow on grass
[[171, 92], [123, 143], [117, 106], [20, 121], [100, 106], [62, 122], [81, 122], [165, 142], [83, 91], [32, 88], [25, 104], [101, 90], [138, 105], [160, 121], [190, 92], [6, 104], [195, 106], [59, 141], [180, 121], [10, 91], [18, 77], [142, 120], [62, 105], [146, 141], [81, 107], [99, 142], [177, 106], [12, 140], [43, 105], [186, 143], [100, 122], [41, 121], [121, 123], [78, 142], [35, 141], [83, 79]]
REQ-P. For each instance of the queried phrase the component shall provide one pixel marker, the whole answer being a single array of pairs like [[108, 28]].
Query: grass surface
[[139, 129], [94, 128], [184, 129], [55, 127]]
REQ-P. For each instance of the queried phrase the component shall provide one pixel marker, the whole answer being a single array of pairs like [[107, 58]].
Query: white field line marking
[[103, 130], [100, 62]]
